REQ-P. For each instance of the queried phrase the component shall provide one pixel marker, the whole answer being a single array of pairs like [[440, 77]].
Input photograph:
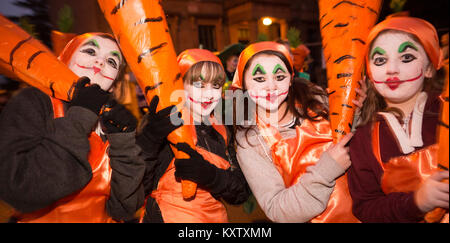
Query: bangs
[[214, 73]]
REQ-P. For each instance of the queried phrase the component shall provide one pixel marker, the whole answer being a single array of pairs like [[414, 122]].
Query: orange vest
[[292, 156], [88, 205], [405, 173], [203, 208]]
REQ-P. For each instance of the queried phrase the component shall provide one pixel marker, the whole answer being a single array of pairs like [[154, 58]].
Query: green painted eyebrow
[[202, 77], [278, 67], [117, 54], [92, 42], [407, 45], [258, 68], [377, 50]]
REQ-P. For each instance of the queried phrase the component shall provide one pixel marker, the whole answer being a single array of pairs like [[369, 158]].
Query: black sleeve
[[230, 185], [42, 159], [127, 191], [157, 158], [149, 154]]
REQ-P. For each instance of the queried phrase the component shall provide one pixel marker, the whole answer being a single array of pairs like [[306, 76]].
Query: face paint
[[407, 45], [98, 59], [394, 83], [277, 68], [398, 65], [267, 90], [202, 97], [258, 70], [117, 54], [92, 42], [377, 50]]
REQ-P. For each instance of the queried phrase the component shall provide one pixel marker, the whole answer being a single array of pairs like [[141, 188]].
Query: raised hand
[[161, 124], [88, 96], [118, 119]]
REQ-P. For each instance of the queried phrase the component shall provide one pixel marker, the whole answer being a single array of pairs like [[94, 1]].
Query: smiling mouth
[[394, 83], [96, 70], [205, 105], [272, 98]]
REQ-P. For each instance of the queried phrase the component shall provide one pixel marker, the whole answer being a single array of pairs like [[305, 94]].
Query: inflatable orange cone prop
[[141, 29], [25, 58], [345, 26]]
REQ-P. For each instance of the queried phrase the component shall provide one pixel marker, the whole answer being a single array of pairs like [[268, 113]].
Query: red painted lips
[[96, 69], [205, 105], [394, 83]]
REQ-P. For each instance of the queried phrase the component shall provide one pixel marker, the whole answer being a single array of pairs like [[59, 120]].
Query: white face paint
[[399, 65], [202, 97], [98, 59], [267, 80]]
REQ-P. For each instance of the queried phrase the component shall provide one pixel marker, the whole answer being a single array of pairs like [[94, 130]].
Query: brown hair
[[375, 103], [214, 73]]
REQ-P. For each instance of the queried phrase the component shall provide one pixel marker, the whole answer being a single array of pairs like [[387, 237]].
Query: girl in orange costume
[[62, 161], [394, 176], [286, 150], [212, 164]]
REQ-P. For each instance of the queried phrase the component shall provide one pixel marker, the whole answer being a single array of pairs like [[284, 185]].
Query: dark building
[[214, 24]]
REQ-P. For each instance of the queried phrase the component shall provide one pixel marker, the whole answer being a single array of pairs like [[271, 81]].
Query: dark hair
[[304, 100]]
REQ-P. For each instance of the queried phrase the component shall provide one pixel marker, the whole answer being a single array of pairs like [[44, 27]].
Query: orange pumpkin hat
[[421, 29], [252, 50], [192, 56]]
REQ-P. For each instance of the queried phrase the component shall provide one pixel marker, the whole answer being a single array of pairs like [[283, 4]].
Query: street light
[[267, 21]]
